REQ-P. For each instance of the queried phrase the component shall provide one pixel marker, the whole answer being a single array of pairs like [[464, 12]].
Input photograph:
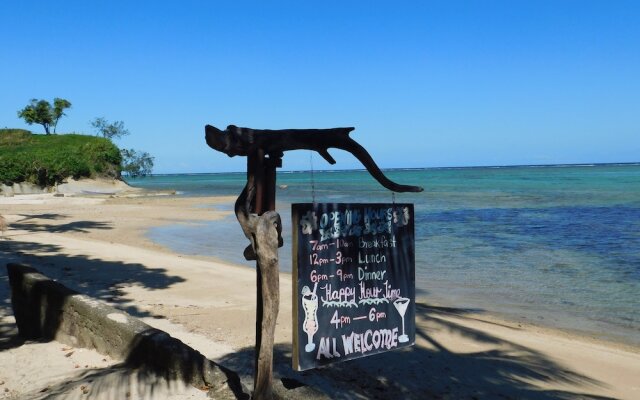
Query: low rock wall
[[45, 309]]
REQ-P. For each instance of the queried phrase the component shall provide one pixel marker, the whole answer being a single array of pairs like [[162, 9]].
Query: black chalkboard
[[353, 276]]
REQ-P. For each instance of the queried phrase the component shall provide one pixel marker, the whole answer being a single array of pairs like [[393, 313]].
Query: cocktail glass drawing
[[401, 304], [310, 325]]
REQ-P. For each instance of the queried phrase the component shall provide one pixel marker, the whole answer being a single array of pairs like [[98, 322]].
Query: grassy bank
[[48, 159]]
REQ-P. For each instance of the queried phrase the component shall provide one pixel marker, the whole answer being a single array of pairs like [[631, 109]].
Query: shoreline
[[590, 331], [87, 240], [205, 209]]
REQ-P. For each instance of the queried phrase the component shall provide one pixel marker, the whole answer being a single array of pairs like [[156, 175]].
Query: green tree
[[59, 105], [41, 112], [136, 164], [109, 130], [38, 112]]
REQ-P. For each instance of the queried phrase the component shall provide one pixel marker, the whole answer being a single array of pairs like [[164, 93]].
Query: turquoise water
[[554, 245]]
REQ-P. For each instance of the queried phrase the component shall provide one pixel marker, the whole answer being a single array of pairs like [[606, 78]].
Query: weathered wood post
[[255, 210], [261, 169]]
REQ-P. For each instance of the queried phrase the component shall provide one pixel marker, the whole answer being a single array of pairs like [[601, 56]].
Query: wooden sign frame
[[255, 210]]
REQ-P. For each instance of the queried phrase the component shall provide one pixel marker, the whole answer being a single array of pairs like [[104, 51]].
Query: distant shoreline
[[637, 163]]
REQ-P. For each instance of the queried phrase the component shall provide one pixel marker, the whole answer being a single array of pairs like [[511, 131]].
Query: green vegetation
[[136, 163], [48, 159], [43, 113], [109, 130]]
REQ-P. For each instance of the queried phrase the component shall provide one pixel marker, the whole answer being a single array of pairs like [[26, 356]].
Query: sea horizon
[[560, 165]]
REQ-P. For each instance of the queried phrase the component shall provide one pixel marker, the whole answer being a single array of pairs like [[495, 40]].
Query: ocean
[[557, 246]]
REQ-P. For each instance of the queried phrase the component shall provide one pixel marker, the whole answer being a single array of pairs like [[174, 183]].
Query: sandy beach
[[97, 245]]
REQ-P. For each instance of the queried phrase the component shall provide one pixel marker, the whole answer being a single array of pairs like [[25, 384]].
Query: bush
[[49, 159], [14, 136]]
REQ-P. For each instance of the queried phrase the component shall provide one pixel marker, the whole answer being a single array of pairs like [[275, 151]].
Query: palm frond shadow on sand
[[432, 371]]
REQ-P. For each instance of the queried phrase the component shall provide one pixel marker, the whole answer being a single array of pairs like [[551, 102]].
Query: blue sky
[[426, 84]]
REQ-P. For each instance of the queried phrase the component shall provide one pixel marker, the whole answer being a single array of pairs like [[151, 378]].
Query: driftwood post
[[264, 228], [255, 210]]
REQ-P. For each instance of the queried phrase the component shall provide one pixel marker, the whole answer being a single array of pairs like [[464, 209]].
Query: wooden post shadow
[[255, 210]]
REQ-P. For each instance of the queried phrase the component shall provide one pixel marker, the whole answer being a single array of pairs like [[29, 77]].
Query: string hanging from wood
[[313, 183]]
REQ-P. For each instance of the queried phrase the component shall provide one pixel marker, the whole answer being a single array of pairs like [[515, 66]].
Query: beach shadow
[[9, 337], [97, 278], [504, 370], [116, 382], [76, 226], [54, 222], [45, 216], [123, 381]]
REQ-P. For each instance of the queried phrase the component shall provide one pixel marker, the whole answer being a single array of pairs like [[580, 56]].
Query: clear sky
[[425, 83]]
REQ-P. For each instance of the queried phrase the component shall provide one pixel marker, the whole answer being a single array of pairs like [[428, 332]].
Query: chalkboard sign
[[353, 281]]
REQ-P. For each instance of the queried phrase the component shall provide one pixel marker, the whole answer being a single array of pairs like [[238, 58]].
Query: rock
[[22, 188]]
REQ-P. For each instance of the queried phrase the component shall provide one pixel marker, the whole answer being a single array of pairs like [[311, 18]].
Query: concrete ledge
[[46, 309]]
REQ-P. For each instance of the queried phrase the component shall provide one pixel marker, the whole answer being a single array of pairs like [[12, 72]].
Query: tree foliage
[[109, 130], [136, 163], [43, 113], [38, 112], [59, 105]]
